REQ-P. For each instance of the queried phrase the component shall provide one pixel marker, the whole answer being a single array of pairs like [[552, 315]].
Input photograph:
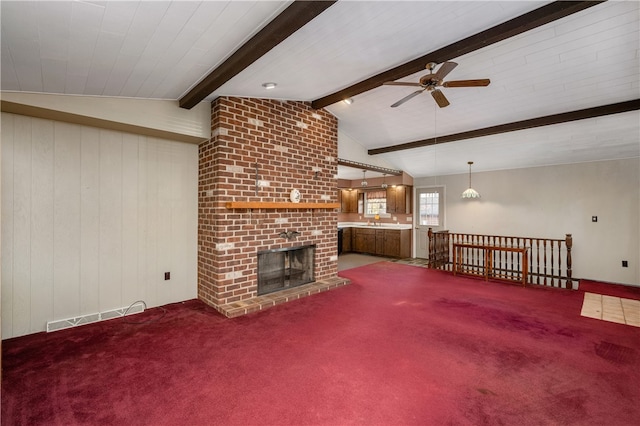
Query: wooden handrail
[[545, 255]]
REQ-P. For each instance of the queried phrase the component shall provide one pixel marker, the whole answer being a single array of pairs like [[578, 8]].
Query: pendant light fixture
[[364, 180], [470, 192], [384, 181]]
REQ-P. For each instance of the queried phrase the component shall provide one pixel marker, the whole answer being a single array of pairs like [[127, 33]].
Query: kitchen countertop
[[371, 226]]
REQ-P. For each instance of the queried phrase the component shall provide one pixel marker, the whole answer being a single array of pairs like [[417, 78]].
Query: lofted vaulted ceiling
[[587, 59]]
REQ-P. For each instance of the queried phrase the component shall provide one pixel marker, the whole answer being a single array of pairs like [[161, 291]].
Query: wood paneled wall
[[91, 220]]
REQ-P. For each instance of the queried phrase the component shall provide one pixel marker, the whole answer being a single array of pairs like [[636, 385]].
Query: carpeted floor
[[401, 345]]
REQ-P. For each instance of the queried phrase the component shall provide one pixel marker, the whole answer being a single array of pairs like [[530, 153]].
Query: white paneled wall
[[91, 220]]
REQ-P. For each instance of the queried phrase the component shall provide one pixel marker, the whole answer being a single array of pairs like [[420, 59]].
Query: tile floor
[[610, 308], [354, 260]]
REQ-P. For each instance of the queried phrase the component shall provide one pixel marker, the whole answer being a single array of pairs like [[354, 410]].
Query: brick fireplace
[[258, 152]]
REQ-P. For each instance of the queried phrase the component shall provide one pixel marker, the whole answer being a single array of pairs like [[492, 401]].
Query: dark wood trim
[[521, 24], [368, 167], [100, 123], [282, 26], [548, 120]]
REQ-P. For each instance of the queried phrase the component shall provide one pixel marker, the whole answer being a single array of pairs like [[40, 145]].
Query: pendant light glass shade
[[470, 192]]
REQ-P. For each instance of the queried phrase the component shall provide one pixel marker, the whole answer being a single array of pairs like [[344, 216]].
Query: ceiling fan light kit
[[431, 82]]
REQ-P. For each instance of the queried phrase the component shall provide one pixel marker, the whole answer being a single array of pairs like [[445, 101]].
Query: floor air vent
[[136, 308]]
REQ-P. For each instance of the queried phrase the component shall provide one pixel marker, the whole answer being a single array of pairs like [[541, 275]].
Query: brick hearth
[[258, 303], [293, 147]]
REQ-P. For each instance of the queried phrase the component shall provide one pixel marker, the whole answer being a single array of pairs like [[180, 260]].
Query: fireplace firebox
[[280, 269]]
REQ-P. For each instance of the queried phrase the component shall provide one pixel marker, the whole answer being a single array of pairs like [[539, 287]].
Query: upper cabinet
[[399, 199], [348, 200]]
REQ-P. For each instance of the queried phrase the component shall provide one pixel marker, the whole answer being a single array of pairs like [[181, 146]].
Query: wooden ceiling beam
[[294, 17], [548, 120], [521, 24]]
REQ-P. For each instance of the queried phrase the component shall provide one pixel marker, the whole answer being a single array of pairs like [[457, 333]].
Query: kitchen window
[[375, 203]]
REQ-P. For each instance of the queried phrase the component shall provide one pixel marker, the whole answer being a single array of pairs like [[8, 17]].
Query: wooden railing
[[549, 259]]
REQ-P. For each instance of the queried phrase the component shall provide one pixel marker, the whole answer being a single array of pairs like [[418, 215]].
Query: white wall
[[91, 219], [552, 201], [350, 149]]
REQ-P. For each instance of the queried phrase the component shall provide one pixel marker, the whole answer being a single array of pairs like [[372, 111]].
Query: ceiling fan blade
[[406, 98], [445, 69], [467, 83], [400, 83], [440, 98]]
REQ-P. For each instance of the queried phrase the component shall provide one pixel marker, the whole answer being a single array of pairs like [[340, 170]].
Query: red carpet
[[617, 290], [401, 345]]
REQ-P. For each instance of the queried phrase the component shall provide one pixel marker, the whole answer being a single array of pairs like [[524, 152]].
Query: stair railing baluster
[[548, 269]]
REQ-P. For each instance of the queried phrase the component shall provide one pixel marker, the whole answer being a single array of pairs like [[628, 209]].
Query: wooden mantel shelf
[[279, 205]]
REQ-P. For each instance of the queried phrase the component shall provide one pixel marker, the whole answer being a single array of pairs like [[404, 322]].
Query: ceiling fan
[[431, 82]]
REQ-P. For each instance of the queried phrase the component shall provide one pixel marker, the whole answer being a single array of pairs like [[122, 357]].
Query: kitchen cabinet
[[348, 201], [380, 235], [382, 242], [397, 243], [392, 244], [364, 240], [399, 199], [347, 238]]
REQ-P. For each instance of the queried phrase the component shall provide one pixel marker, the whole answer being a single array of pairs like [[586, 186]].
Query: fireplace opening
[[285, 268]]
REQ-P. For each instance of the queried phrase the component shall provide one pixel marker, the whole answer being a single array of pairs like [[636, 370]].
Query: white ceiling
[[162, 49]]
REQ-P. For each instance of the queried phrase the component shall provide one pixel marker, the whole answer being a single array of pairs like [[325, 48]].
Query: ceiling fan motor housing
[[429, 80]]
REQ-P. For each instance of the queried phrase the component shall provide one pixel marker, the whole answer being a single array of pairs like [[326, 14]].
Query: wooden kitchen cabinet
[[392, 244], [397, 243], [382, 242], [399, 199], [348, 201], [347, 238], [364, 240], [380, 237]]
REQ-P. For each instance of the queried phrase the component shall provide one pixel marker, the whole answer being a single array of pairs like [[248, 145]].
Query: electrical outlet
[[167, 276], [594, 218], [625, 264]]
